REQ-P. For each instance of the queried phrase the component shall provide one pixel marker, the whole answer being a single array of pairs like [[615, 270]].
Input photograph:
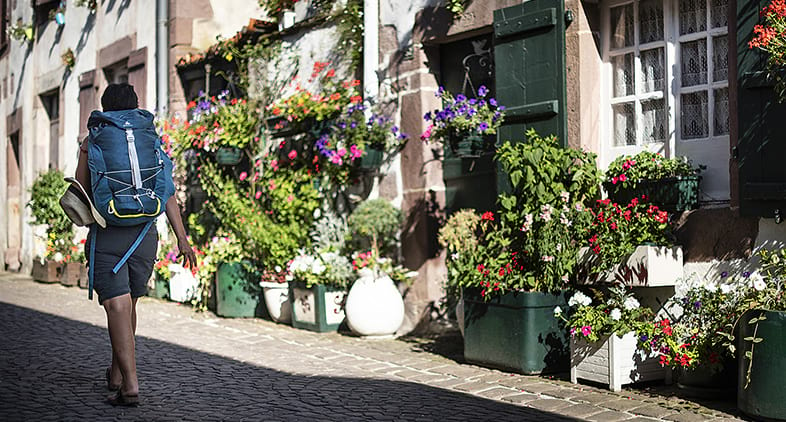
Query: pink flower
[[342, 152], [586, 330], [290, 198], [257, 195], [355, 152], [614, 180], [572, 332], [292, 154], [274, 164], [335, 159], [623, 177], [243, 176]]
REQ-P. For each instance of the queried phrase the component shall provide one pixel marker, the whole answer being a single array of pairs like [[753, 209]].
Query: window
[[51, 102], [667, 83], [116, 74]]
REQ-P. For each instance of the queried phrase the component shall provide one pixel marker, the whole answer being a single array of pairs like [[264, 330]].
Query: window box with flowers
[[604, 339], [671, 184], [630, 244], [526, 258], [466, 126], [319, 283]]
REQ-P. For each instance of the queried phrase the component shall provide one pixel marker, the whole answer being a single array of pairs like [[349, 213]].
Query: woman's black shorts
[[111, 245]]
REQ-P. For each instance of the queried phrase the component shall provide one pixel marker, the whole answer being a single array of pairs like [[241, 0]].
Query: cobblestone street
[[194, 366]]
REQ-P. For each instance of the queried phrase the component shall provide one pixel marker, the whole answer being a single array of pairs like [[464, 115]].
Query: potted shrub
[[374, 304], [604, 338], [465, 125], [459, 237], [630, 243], [527, 257], [671, 184], [45, 208], [319, 289], [762, 339], [73, 264]]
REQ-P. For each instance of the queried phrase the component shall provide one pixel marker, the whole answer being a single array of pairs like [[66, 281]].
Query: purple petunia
[[482, 91], [483, 127], [461, 98], [427, 116], [724, 274], [697, 304], [746, 274], [493, 102], [643, 338], [473, 101]]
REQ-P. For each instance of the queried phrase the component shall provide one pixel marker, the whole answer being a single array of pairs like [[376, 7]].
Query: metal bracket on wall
[[568, 17], [778, 217]]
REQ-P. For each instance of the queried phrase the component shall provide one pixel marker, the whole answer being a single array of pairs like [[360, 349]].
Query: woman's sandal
[[121, 399], [109, 386]]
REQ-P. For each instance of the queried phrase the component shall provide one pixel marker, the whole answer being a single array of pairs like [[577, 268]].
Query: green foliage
[[326, 268], [239, 123], [350, 28], [21, 31], [627, 171], [459, 234], [377, 222], [456, 7], [329, 232], [45, 206]]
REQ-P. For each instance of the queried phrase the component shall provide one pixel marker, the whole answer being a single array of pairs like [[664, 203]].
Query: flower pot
[[234, 298], [83, 278], [469, 146], [182, 284], [71, 273], [709, 383], [160, 289], [763, 397], [318, 308], [47, 272], [647, 266], [374, 306], [673, 194], [371, 159], [277, 301], [229, 156], [613, 361], [516, 331]]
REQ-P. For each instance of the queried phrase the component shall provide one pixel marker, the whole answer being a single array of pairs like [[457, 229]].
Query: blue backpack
[[130, 174]]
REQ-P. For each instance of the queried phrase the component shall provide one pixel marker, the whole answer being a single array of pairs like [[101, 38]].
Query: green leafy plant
[[375, 223], [628, 171], [769, 38], [45, 208], [350, 28], [460, 236], [456, 7], [616, 311], [21, 31], [90, 4], [325, 268], [68, 59]]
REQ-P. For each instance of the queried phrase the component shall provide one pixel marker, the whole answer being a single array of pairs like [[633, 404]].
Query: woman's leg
[[121, 333], [115, 376]]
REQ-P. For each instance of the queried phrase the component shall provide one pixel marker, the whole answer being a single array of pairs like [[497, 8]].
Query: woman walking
[[119, 287]]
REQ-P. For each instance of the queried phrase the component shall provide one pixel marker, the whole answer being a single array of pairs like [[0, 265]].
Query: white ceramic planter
[[374, 306], [182, 284], [613, 361], [277, 301], [647, 266]]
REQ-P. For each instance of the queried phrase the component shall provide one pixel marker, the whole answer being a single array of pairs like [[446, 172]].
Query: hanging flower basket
[[229, 156], [371, 159], [469, 145]]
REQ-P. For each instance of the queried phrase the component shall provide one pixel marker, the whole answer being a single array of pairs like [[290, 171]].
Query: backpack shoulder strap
[[133, 246]]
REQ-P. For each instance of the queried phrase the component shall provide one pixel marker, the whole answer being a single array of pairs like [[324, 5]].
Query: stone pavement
[[54, 348]]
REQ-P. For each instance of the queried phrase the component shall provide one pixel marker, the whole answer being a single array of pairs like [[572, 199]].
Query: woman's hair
[[119, 97]]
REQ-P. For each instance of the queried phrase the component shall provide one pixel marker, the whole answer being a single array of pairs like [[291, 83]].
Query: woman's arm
[[173, 215], [82, 171]]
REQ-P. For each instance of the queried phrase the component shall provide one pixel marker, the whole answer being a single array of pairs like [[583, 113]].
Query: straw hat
[[78, 207]]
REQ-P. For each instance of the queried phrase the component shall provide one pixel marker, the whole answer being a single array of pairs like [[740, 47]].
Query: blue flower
[[493, 102], [482, 91], [643, 338], [724, 274], [353, 125], [427, 116], [342, 125], [697, 304], [461, 98], [402, 136], [483, 127]]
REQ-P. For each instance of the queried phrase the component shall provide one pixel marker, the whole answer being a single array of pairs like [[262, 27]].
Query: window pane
[[623, 75], [622, 26], [720, 58], [653, 121], [693, 57], [624, 124], [652, 70], [693, 16], [693, 115], [721, 115], [650, 21], [719, 13]]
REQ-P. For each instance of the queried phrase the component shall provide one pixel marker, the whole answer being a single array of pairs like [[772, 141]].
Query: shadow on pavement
[[51, 368]]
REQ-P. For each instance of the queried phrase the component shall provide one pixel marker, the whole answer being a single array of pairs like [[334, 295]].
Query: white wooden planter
[[613, 361], [647, 266]]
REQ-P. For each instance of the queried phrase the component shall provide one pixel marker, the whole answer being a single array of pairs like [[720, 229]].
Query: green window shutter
[[761, 143], [529, 57]]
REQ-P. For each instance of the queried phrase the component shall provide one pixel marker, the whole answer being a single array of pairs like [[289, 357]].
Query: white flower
[[277, 268], [725, 288], [710, 287], [58, 256], [557, 311], [545, 213], [757, 281], [565, 196], [579, 298], [528, 219], [565, 278], [317, 267], [454, 256], [579, 207], [564, 220], [615, 314], [631, 304]]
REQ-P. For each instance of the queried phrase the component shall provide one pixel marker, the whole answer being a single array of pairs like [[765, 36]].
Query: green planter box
[[672, 194], [707, 383], [235, 296], [229, 156], [161, 289], [516, 331], [319, 308], [371, 159], [764, 397]]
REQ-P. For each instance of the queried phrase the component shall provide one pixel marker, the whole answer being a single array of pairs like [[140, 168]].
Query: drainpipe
[[162, 56], [370, 49]]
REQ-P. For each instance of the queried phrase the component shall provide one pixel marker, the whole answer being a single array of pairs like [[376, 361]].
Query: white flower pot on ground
[[374, 306], [614, 361], [182, 284], [277, 301], [647, 266]]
